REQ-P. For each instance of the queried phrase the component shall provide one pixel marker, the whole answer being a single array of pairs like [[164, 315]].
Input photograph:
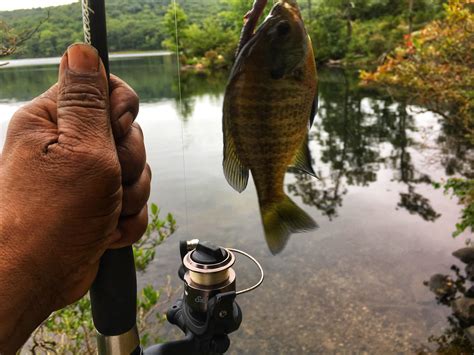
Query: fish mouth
[[286, 10], [281, 10]]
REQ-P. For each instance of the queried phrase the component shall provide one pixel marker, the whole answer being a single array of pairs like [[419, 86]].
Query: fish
[[270, 103]]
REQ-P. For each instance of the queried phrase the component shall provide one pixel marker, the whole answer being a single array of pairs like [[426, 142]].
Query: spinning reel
[[207, 311]]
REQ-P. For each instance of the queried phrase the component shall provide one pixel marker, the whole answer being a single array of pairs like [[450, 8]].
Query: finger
[[131, 229], [135, 196], [124, 104], [131, 154], [83, 98], [48, 102], [34, 122]]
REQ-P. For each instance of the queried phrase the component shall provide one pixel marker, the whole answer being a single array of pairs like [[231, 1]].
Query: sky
[[29, 4]]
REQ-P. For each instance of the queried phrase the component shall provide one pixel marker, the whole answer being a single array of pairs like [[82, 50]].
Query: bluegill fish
[[269, 106]]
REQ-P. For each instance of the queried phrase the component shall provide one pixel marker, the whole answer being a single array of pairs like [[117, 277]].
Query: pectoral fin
[[302, 160]]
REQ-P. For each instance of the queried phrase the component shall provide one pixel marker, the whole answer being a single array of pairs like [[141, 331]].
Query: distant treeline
[[357, 30], [131, 24]]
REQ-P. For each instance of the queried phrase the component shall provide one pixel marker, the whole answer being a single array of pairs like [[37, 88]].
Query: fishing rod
[[114, 291], [207, 312]]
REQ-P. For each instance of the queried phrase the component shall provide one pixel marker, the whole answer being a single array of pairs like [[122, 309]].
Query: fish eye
[[283, 28]]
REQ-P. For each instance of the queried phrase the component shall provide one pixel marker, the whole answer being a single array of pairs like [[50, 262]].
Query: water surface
[[354, 285]]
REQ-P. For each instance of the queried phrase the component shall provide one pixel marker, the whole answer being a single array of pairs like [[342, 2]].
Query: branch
[[12, 42]]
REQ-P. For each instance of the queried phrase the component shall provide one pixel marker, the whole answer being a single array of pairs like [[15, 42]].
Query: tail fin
[[280, 220]]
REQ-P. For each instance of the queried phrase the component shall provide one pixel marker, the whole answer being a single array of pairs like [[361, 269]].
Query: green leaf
[[154, 209]]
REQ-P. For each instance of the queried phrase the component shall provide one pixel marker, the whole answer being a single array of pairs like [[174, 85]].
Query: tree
[[174, 24], [10, 41]]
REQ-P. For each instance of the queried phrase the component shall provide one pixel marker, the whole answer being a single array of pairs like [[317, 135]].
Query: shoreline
[[30, 62]]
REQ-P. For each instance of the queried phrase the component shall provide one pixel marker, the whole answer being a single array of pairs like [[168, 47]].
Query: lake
[[355, 285]]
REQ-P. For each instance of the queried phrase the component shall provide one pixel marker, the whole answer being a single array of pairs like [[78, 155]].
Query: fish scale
[[268, 128]]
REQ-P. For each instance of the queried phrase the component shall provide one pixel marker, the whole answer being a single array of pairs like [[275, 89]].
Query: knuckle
[[134, 100], [132, 153], [149, 171], [137, 127], [143, 221], [82, 95]]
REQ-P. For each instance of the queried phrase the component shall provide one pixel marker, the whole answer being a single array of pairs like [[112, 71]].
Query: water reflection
[[358, 137], [25, 83], [457, 155], [194, 86], [358, 279], [456, 292], [357, 131]]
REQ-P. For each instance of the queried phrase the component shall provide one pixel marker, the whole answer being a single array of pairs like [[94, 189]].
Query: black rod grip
[[114, 293]]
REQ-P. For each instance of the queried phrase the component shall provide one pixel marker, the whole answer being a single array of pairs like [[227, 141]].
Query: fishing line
[[86, 21], [180, 108]]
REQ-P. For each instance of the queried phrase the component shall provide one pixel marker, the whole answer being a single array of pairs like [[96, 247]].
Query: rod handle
[[114, 293]]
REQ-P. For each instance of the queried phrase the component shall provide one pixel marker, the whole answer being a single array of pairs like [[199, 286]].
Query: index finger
[[124, 104]]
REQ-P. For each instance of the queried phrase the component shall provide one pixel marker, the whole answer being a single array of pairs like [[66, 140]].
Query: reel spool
[[207, 271]]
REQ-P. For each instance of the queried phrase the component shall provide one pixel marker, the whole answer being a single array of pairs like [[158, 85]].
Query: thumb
[[83, 99]]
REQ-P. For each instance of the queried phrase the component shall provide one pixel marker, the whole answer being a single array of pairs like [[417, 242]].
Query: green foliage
[[157, 231], [131, 25], [328, 35], [359, 31], [71, 330], [174, 22], [210, 36], [11, 40], [463, 189], [209, 43], [374, 38], [435, 64]]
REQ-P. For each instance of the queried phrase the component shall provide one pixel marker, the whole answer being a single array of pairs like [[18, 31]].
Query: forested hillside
[[132, 24], [357, 31]]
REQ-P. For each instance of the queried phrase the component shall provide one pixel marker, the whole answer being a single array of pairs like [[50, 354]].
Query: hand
[[74, 182]]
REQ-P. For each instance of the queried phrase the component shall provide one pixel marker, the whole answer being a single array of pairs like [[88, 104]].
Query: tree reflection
[[354, 128], [325, 198], [450, 290], [151, 77], [404, 169], [457, 153], [193, 86]]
